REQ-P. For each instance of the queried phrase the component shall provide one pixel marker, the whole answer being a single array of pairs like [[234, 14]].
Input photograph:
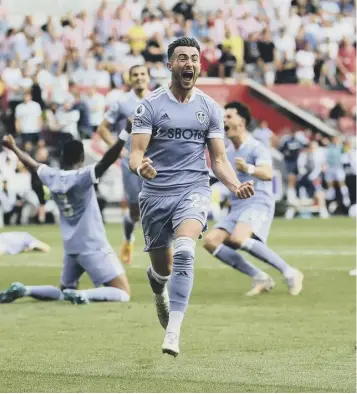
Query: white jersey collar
[[173, 98]]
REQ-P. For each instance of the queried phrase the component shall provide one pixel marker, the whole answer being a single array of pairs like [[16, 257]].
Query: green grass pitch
[[229, 343]]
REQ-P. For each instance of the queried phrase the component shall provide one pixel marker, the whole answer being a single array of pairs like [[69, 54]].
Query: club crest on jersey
[[201, 116], [140, 110]]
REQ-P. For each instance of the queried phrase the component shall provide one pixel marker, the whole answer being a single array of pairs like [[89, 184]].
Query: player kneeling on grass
[[248, 223], [17, 242], [84, 239]]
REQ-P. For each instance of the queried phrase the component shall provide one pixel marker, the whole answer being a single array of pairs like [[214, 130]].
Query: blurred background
[[293, 62]]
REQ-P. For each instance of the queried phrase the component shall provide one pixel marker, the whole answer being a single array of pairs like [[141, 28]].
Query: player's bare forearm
[[110, 157], [139, 144], [27, 160], [105, 133], [221, 167], [263, 172], [224, 172]]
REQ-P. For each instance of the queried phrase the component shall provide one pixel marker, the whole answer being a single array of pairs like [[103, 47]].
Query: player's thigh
[[214, 238], [190, 216], [71, 272], [102, 266], [156, 219], [254, 220], [162, 260]]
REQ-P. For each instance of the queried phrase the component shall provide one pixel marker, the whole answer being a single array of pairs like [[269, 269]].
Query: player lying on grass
[[86, 248], [247, 225], [16, 242], [116, 118]]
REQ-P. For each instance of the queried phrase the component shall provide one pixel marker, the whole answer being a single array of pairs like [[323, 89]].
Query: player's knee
[[184, 251], [238, 241], [211, 242]]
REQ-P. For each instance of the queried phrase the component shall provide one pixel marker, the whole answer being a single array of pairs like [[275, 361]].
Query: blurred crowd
[[58, 76]]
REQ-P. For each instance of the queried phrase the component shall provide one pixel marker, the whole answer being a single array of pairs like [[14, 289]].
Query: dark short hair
[[182, 42], [242, 110], [72, 153], [132, 68]]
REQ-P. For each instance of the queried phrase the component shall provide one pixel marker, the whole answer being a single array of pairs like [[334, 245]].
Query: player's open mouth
[[187, 75]]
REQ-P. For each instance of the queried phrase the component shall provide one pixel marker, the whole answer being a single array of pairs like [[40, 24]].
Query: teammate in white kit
[[16, 242], [247, 225], [172, 128], [115, 119], [85, 243]]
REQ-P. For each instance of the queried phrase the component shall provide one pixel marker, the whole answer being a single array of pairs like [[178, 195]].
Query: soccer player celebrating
[[172, 127], [247, 226], [84, 239], [17, 242], [116, 118]]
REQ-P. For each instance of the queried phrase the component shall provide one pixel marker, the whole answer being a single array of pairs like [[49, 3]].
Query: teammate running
[[115, 119], [247, 225]]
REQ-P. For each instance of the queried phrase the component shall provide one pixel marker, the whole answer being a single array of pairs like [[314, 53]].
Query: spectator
[[251, 56], [237, 44], [291, 147], [305, 61], [29, 120], [137, 38], [338, 111], [67, 119], [210, 57], [346, 63], [96, 105], [184, 8], [267, 57], [155, 51], [227, 63]]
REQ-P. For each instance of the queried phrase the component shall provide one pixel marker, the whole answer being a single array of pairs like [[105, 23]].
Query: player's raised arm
[[111, 155], [262, 169], [140, 139], [221, 166], [104, 129], [10, 143]]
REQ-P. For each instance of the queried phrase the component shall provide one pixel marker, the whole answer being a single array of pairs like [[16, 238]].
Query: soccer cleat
[[295, 283], [15, 291], [261, 284], [171, 344], [162, 304], [75, 297], [127, 251]]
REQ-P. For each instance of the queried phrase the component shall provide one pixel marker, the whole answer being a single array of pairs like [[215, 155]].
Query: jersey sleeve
[[85, 177], [112, 114], [262, 156], [143, 119], [216, 125], [46, 174]]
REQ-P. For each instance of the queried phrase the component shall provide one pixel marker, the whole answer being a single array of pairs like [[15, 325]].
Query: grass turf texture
[[230, 343]]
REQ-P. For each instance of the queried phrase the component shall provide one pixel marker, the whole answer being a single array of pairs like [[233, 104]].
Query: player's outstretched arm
[[224, 171], [104, 132], [10, 143], [111, 156], [263, 171]]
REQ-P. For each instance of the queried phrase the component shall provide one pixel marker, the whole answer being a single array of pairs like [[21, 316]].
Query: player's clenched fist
[[9, 142], [241, 165], [146, 170], [245, 190]]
